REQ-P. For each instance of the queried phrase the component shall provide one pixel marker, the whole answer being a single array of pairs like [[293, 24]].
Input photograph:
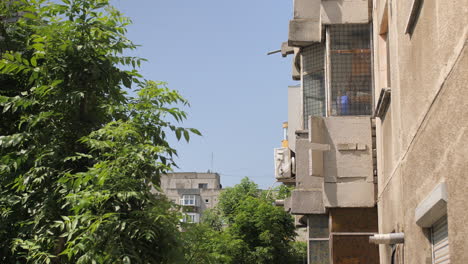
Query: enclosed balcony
[[190, 200]]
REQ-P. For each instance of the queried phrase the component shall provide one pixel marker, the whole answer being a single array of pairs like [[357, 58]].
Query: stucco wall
[[422, 140], [430, 161]]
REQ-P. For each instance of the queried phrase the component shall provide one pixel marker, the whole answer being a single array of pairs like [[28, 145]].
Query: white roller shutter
[[440, 242]]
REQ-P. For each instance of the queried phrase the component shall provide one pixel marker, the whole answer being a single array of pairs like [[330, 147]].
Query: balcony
[[190, 200], [334, 165], [310, 15]]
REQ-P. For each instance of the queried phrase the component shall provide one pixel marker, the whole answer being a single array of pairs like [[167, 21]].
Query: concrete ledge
[[307, 202], [433, 207], [349, 194], [304, 32]]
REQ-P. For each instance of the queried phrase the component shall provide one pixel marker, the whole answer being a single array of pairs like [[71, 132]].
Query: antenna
[[212, 161]]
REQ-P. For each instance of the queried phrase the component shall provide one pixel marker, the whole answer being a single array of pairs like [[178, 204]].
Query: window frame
[[331, 110], [189, 200], [191, 218]]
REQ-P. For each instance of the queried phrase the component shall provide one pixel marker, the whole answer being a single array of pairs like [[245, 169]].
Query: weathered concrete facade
[[420, 54], [383, 124], [195, 191], [332, 149]]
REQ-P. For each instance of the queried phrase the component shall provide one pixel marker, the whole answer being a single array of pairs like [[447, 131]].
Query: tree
[[203, 244], [266, 229], [255, 230], [230, 199], [78, 156]]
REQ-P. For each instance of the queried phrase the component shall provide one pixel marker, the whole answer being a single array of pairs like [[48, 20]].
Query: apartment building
[[376, 129], [194, 191], [330, 154], [420, 90]]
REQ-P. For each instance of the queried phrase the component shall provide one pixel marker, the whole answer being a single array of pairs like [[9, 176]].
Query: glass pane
[[351, 81], [354, 250], [318, 226], [313, 81], [319, 252], [354, 219]]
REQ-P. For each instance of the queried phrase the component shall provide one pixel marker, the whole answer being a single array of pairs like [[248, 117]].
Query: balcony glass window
[[189, 200], [313, 81], [350, 64], [336, 74]]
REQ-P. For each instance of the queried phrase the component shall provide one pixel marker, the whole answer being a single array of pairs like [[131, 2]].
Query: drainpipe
[[388, 239]]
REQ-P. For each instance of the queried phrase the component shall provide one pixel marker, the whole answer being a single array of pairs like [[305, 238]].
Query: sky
[[214, 53]]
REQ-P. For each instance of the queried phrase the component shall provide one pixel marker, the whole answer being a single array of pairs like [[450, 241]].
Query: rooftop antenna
[[212, 162]]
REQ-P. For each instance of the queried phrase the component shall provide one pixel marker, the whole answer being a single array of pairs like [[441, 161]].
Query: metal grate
[[350, 62], [313, 81]]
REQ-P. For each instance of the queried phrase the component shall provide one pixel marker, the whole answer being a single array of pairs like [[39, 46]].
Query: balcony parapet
[[310, 15], [334, 165]]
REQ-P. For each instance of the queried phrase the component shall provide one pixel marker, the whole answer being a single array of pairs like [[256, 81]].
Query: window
[[336, 75], [440, 242], [319, 249], [350, 63], [350, 231], [203, 186], [313, 81], [191, 218], [189, 200]]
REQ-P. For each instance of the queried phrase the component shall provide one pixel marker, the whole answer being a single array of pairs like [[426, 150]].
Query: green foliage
[[255, 230], [213, 219], [231, 198], [299, 252], [78, 156], [283, 191], [203, 244]]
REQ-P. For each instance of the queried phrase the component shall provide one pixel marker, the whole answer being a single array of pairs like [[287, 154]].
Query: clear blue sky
[[214, 53]]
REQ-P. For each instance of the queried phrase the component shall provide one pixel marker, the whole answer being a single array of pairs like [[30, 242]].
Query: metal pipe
[[273, 52], [388, 239], [279, 202]]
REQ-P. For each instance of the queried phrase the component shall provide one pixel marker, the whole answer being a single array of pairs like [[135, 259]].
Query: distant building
[[195, 191]]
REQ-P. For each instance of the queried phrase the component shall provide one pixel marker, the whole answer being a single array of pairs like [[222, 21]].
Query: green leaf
[[195, 131], [127, 82], [29, 15], [33, 61]]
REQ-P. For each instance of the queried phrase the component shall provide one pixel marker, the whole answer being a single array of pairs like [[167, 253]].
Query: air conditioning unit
[[284, 164]]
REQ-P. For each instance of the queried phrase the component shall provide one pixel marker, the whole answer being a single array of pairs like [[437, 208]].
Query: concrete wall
[[421, 141], [309, 16], [344, 11], [294, 114], [175, 185], [189, 180], [348, 164], [341, 176]]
